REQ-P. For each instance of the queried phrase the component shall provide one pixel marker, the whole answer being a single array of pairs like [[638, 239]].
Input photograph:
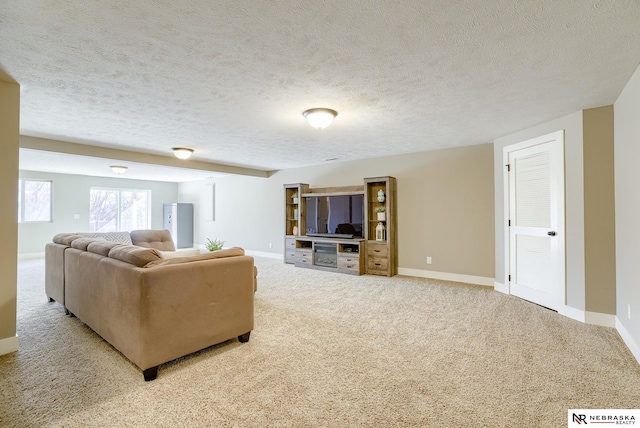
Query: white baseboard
[[8, 345], [595, 318], [573, 313], [502, 288], [25, 256], [628, 340], [264, 254], [467, 279]]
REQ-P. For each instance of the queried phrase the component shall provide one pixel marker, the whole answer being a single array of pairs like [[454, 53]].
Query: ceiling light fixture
[[118, 169], [182, 152], [320, 117]]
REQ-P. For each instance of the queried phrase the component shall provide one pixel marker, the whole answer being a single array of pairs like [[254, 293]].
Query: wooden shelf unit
[[295, 217], [354, 256], [382, 255]]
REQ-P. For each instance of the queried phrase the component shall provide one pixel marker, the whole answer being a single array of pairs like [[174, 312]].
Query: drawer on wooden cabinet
[[352, 264], [377, 264], [303, 257], [290, 243], [290, 256], [351, 258], [377, 250], [303, 261]]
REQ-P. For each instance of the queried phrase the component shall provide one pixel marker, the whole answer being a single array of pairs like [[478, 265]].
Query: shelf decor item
[[381, 214], [295, 198], [381, 196], [381, 232], [295, 230]]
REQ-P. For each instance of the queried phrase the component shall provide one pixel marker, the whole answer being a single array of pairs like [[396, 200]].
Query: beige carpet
[[328, 350]]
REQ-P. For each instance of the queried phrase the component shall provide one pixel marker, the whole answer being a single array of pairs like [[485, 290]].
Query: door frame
[[557, 140]]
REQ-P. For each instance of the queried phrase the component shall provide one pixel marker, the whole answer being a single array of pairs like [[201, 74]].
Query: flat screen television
[[339, 216]]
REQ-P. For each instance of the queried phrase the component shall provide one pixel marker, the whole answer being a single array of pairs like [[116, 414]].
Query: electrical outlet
[[76, 216], [270, 245], [629, 311], [428, 260]]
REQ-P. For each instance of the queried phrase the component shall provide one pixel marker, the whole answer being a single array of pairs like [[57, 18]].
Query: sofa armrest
[[54, 271]]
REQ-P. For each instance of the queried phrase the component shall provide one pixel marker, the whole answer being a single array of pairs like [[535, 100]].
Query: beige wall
[[9, 141], [589, 206], [599, 211], [627, 179], [445, 207], [574, 201], [70, 196]]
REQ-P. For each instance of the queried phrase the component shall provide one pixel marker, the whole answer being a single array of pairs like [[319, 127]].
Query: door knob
[[552, 233]]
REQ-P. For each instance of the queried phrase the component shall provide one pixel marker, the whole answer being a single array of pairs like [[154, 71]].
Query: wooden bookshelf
[[295, 217], [382, 253]]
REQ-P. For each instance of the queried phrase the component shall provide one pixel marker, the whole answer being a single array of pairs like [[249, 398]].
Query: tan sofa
[[54, 253], [151, 308]]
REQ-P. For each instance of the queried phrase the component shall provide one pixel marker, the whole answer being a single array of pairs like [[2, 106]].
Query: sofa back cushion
[[158, 239], [101, 247], [83, 243], [229, 252], [119, 237], [135, 255], [65, 238]]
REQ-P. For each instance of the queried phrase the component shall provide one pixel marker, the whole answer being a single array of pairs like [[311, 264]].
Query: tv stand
[[334, 255]]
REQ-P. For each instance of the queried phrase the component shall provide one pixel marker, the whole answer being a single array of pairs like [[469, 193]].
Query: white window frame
[[119, 190], [22, 200]]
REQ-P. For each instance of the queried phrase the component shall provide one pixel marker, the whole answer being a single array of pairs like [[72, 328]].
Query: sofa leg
[[66, 311], [50, 299], [150, 374], [244, 338]]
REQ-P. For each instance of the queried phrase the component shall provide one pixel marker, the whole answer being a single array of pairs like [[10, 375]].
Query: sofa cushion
[[180, 253], [83, 243], [158, 239], [229, 252], [119, 237], [102, 247], [65, 238], [134, 255]]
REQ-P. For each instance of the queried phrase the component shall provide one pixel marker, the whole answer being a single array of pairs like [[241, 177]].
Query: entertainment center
[[350, 229]]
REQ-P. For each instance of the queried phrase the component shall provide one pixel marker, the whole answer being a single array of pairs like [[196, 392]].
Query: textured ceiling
[[231, 79]]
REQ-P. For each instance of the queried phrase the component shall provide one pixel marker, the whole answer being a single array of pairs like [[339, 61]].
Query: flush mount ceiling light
[[182, 152], [320, 117], [118, 169]]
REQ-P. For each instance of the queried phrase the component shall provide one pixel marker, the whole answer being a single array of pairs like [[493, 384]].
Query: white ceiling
[[231, 79]]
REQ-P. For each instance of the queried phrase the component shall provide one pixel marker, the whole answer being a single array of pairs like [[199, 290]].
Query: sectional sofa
[[150, 307]]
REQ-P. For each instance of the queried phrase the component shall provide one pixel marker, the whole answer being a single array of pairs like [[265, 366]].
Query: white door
[[535, 174]]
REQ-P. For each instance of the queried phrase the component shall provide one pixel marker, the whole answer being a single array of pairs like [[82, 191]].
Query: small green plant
[[380, 209], [214, 245]]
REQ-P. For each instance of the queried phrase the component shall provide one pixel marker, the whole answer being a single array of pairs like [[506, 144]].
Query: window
[[115, 210], [34, 200]]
